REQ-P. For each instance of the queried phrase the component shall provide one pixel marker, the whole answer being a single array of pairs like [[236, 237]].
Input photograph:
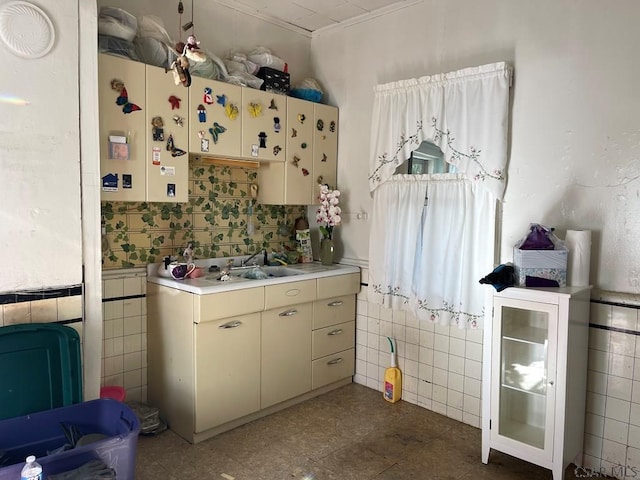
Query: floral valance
[[464, 112]]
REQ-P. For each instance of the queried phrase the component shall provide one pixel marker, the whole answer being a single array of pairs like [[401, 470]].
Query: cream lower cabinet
[[535, 374], [220, 360]]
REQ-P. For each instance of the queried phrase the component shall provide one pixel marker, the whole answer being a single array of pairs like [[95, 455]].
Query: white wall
[[575, 146], [40, 234]]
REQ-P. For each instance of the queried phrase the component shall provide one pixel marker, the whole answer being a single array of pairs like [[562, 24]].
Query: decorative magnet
[[123, 97], [255, 110], [294, 133], [295, 161], [158, 132], [127, 180], [221, 100], [303, 145], [276, 149], [155, 155], [179, 121], [272, 105], [324, 157], [110, 182], [171, 189], [276, 124], [175, 151], [301, 117], [255, 150], [168, 171], [207, 97], [323, 137], [320, 125], [175, 102], [319, 180], [216, 130], [305, 172], [332, 126], [263, 139], [204, 142], [231, 111], [202, 114]]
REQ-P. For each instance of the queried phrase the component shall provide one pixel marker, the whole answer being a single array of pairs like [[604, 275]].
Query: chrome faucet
[[244, 263]]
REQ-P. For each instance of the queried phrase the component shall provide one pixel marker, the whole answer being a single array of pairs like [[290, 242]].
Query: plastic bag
[[538, 238]]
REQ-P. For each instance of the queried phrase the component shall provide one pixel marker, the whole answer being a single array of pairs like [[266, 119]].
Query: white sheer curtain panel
[[464, 112], [428, 259]]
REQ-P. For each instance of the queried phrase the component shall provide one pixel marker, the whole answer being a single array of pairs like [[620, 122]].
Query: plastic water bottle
[[32, 469]]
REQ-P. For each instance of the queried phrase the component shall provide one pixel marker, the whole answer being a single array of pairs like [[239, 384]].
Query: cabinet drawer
[[335, 338], [334, 310], [228, 304], [338, 285], [284, 294], [332, 368]]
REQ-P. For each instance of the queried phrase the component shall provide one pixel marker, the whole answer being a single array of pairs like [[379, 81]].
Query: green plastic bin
[[40, 368]]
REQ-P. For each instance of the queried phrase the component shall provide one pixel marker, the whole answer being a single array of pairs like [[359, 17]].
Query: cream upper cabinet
[[167, 148], [136, 103], [122, 104], [215, 119], [325, 148], [291, 182], [264, 123]]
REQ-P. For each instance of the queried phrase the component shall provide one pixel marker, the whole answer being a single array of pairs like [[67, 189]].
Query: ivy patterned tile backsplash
[[215, 220]]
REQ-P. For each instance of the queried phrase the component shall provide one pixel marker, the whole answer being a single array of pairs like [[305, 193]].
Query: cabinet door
[[167, 158], [215, 119], [286, 353], [264, 123], [325, 147], [523, 377], [122, 113], [227, 370], [291, 182]]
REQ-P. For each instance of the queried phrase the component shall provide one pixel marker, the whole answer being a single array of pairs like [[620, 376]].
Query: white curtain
[[428, 259], [465, 113]]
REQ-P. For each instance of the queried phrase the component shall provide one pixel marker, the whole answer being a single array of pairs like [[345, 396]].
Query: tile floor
[[348, 434]]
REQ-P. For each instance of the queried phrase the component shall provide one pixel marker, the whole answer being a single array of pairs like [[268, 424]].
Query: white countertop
[[209, 283]]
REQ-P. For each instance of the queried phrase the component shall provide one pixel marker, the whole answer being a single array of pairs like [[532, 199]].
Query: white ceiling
[[312, 15]]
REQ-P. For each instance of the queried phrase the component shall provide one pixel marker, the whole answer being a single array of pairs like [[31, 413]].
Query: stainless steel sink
[[259, 272]]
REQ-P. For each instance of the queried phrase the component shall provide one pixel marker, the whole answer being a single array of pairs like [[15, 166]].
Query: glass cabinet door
[[524, 345]]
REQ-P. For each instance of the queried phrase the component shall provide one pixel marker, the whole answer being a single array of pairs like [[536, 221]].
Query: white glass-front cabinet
[[535, 375]]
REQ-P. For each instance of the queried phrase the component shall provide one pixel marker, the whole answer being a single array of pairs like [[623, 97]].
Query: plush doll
[[191, 50], [180, 68]]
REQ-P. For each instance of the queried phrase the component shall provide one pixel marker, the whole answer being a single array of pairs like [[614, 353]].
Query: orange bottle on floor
[[392, 388]]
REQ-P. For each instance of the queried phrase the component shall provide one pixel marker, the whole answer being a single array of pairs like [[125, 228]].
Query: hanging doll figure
[[180, 69], [192, 50]]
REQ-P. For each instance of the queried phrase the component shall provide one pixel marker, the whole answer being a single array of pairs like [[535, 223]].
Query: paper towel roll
[[578, 242]]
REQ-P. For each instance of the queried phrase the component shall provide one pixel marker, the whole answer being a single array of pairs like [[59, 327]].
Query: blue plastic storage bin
[[42, 432]]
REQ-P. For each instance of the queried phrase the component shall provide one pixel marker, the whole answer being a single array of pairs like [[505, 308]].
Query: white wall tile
[[473, 369], [411, 352], [440, 377], [634, 436], [633, 463], [16, 313], [596, 403], [440, 395], [425, 372], [373, 325], [132, 343], [613, 452], [425, 390], [410, 368], [412, 335], [600, 314], [132, 361], [598, 361], [594, 425], [441, 343], [471, 405], [455, 332], [455, 413], [622, 343], [634, 416], [593, 445], [441, 360], [412, 321], [616, 431], [621, 365], [409, 385], [426, 338], [470, 419], [472, 387], [385, 314], [113, 288], [439, 407], [426, 355], [133, 378], [455, 382], [473, 351], [131, 286], [132, 307], [398, 316], [44, 311], [456, 346], [599, 339], [619, 387], [624, 317], [456, 364], [617, 409], [373, 310], [597, 382], [113, 310], [70, 307], [362, 306], [475, 335], [132, 325]]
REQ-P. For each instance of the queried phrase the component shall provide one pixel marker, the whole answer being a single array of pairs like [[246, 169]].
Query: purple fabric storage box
[[42, 432]]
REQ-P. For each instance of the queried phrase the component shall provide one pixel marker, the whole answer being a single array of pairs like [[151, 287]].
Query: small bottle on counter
[[32, 470]]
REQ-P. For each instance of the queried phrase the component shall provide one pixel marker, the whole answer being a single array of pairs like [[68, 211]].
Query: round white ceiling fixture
[[26, 30]]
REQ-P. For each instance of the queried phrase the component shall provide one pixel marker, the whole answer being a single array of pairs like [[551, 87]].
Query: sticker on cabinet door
[[320, 125], [255, 110], [324, 157], [231, 111], [272, 105], [170, 171], [255, 150], [263, 139], [332, 126], [207, 97], [221, 100], [171, 189], [277, 149], [127, 180], [175, 151], [179, 121], [276, 124], [123, 97], [175, 102], [216, 130], [155, 155], [110, 182], [202, 114], [157, 131], [294, 133]]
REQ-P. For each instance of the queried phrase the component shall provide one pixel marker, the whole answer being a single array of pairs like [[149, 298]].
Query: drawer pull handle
[[234, 324], [336, 303], [335, 332], [288, 313], [335, 361]]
